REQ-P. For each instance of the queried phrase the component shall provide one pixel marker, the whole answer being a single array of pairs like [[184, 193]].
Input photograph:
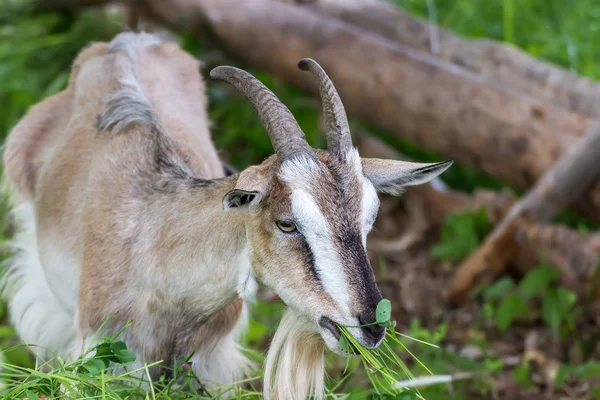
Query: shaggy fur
[[34, 310], [295, 366]]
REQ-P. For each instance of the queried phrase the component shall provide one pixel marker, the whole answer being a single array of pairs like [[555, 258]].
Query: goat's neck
[[204, 247]]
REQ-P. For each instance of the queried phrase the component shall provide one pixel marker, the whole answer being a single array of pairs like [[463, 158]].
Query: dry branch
[[561, 185], [502, 63]]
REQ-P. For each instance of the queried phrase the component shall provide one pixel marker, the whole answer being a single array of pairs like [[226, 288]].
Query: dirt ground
[[416, 285]]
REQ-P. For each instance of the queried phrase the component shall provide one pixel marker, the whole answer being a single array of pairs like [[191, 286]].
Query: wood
[[492, 60], [562, 184], [572, 253]]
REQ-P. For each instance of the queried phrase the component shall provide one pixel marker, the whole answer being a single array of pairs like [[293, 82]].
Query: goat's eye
[[286, 226]]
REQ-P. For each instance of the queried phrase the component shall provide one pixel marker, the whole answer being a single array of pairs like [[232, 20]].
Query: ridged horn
[[286, 136], [339, 139]]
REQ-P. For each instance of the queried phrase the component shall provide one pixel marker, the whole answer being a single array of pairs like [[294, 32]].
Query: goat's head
[[309, 211]]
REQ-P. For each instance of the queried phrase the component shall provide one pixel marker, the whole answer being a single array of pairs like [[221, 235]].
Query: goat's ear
[[390, 176], [241, 199], [250, 189]]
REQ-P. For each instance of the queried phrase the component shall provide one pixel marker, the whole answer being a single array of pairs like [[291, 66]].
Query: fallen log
[[561, 185], [495, 61]]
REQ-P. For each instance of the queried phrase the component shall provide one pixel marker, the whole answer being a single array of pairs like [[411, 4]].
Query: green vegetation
[[384, 368], [462, 233], [536, 296], [35, 57]]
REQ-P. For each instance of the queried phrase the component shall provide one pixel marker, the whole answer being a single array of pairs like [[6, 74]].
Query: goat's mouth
[[331, 326]]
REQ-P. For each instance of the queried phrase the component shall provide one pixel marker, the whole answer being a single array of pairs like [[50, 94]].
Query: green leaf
[[440, 334], [510, 307], [93, 366], [125, 356], [493, 365], [345, 345], [488, 311], [30, 395], [256, 331], [461, 234], [538, 280], [556, 304], [383, 311], [18, 355], [522, 375], [499, 289], [116, 346], [410, 395], [7, 332], [588, 370], [481, 222], [563, 373]]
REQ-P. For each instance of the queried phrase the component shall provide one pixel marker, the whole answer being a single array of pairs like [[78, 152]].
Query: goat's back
[[63, 128], [76, 174]]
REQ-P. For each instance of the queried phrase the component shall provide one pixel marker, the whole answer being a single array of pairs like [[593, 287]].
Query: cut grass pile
[[386, 371]]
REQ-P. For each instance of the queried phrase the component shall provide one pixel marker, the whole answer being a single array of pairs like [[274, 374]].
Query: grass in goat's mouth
[[385, 369]]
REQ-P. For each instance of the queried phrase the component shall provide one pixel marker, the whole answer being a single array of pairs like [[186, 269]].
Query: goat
[[125, 213]]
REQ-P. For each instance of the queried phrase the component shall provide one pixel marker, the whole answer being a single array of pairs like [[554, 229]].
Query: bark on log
[[562, 184], [436, 104], [502, 63]]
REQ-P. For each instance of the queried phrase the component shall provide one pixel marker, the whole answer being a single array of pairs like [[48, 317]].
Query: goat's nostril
[[372, 330]]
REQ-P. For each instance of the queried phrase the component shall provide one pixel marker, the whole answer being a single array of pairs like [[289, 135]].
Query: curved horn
[[286, 136], [339, 140]]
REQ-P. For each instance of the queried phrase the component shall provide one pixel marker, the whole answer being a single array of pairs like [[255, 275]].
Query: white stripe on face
[[316, 230], [370, 200], [370, 207]]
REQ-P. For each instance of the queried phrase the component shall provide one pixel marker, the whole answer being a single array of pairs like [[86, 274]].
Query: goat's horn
[[339, 140], [286, 136]]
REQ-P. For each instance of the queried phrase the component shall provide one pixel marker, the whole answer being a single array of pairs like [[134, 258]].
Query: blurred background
[[501, 273]]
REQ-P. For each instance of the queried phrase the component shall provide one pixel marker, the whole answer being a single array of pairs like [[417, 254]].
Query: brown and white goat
[[125, 213]]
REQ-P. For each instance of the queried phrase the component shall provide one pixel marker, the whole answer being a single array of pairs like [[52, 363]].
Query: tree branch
[[561, 185]]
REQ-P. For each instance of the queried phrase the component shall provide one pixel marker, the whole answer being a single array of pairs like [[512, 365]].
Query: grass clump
[[108, 371], [388, 374]]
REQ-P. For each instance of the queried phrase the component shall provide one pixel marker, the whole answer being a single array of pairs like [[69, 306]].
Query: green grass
[[561, 31], [387, 373], [35, 57]]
